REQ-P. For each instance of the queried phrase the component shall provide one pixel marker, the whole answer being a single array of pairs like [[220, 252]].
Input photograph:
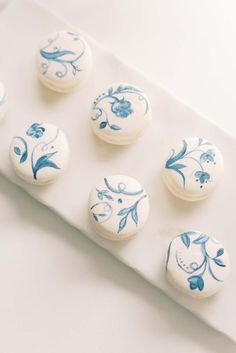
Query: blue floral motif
[[207, 156], [36, 130], [120, 107], [66, 58], [195, 270], [109, 194], [177, 161], [202, 177]]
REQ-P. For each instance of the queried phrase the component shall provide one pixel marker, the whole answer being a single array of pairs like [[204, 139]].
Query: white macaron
[[197, 264], [39, 153], [193, 169], [118, 207], [120, 114], [64, 61]]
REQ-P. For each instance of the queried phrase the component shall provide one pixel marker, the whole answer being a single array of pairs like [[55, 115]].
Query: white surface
[[40, 325], [62, 293]]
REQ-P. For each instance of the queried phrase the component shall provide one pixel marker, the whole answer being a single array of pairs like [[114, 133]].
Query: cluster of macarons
[[118, 205]]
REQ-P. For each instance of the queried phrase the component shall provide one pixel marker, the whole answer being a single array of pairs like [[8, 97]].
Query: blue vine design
[[120, 107], [107, 197], [36, 130], [58, 56], [177, 161], [195, 270]]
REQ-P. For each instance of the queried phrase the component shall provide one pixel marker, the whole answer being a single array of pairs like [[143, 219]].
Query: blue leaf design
[[178, 156], [185, 239], [122, 224], [109, 197], [178, 171], [134, 215], [24, 157], [102, 125], [44, 162], [115, 127], [124, 211], [110, 91], [220, 252], [95, 217], [203, 238], [178, 166], [17, 151], [196, 282], [219, 262]]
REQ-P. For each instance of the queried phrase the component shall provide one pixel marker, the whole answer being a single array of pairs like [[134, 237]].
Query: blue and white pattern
[[198, 156], [37, 149], [36, 131], [198, 259], [66, 60], [114, 202], [117, 104]]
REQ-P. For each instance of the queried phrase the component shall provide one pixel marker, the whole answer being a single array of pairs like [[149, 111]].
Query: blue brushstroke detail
[[177, 161], [36, 130], [109, 194], [197, 271], [60, 56], [120, 107]]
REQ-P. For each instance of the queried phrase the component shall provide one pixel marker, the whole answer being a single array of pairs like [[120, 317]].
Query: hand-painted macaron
[[118, 207], [197, 264], [64, 61], [3, 100], [193, 169], [120, 114], [39, 153]]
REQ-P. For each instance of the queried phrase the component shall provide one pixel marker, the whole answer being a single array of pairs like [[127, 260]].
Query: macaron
[[3, 101], [118, 207], [120, 114], [39, 153], [197, 264], [64, 61], [193, 169]]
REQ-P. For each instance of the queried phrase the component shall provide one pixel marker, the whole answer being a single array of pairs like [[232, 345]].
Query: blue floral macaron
[[120, 114], [193, 169], [39, 153], [118, 207], [197, 264], [64, 61]]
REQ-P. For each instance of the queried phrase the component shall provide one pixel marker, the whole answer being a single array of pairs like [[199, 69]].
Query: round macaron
[[64, 61], [3, 100], [197, 264], [39, 153], [193, 169], [120, 114], [118, 207]]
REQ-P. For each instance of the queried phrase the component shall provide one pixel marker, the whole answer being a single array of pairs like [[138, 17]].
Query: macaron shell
[[197, 264], [120, 114], [118, 207], [64, 61], [39, 153], [193, 169], [3, 101]]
